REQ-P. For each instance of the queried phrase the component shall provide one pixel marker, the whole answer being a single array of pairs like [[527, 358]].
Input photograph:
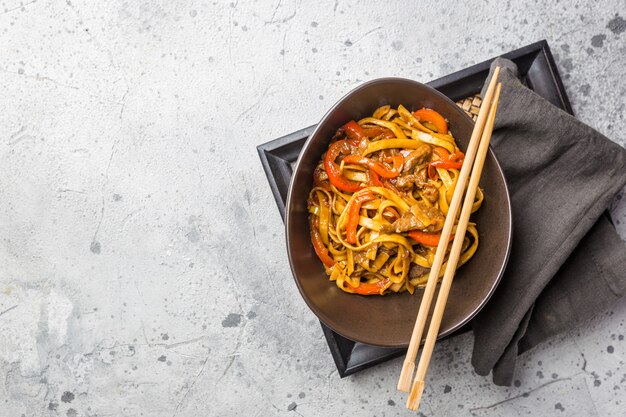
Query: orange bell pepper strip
[[332, 169], [318, 245], [442, 153], [380, 169], [428, 239], [365, 288], [353, 214], [431, 116], [372, 132]]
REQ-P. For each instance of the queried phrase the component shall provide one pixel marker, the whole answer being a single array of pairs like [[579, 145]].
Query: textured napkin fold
[[567, 262]]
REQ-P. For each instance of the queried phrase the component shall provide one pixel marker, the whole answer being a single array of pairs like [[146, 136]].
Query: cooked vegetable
[[434, 118], [380, 197]]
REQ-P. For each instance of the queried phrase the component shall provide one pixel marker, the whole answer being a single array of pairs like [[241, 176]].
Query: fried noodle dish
[[379, 201]]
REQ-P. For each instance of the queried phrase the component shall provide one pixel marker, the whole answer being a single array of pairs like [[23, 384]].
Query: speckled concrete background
[[143, 263]]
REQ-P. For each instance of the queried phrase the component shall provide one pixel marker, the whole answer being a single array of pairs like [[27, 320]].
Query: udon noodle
[[379, 200]]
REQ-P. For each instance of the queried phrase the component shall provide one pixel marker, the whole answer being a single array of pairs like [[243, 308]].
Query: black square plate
[[539, 73]]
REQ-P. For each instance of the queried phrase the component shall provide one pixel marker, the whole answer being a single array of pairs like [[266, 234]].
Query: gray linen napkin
[[567, 262]]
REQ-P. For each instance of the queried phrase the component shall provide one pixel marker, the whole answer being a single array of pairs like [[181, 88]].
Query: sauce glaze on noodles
[[379, 200]]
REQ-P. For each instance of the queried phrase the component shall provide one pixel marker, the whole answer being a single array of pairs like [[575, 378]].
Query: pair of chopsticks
[[474, 161]]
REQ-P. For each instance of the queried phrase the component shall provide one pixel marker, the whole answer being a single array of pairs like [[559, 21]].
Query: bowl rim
[[288, 212]]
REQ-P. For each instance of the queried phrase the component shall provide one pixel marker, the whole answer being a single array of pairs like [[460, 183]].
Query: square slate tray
[[539, 73]]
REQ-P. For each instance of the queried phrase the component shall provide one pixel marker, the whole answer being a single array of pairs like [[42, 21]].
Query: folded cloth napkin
[[567, 262]]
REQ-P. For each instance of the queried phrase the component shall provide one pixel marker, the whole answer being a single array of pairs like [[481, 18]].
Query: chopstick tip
[[404, 383], [413, 402]]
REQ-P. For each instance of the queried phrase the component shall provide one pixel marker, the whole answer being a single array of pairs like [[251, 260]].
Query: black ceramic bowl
[[388, 320]]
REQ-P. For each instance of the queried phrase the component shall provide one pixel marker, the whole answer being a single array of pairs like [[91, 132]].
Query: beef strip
[[405, 181], [416, 157], [430, 192], [381, 156], [408, 180], [408, 221], [417, 271]]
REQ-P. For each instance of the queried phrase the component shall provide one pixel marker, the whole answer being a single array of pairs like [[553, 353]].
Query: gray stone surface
[[143, 262]]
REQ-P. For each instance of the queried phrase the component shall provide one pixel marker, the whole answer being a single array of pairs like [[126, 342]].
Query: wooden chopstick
[[408, 367], [433, 329]]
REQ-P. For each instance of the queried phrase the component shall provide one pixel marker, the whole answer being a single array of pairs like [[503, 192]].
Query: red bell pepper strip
[[332, 169], [431, 116], [375, 179], [380, 169], [318, 245], [353, 214], [457, 156], [442, 164], [428, 239], [447, 161], [365, 288], [355, 132]]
